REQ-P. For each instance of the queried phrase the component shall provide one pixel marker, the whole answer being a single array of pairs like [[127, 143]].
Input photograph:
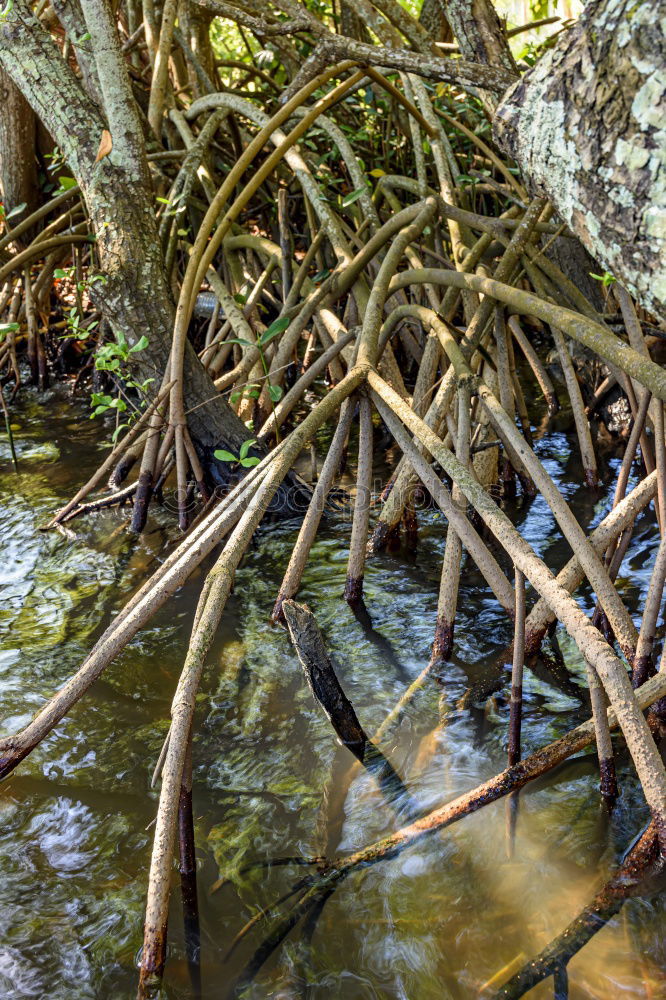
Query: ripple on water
[[271, 782]]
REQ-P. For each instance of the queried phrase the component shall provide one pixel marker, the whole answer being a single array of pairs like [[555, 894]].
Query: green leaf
[[17, 210], [100, 398], [275, 392], [163, 201], [247, 463], [245, 447], [67, 183], [276, 327], [140, 345], [239, 340], [349, 199], [116, 433], [606, 278], [224, 456]]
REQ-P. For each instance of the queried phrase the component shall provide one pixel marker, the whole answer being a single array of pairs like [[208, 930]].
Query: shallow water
[[438, 920]]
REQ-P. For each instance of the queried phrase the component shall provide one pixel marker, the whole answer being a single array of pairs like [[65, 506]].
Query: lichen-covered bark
[[479, 33], [588, 126], [433, 18], [70, 15]]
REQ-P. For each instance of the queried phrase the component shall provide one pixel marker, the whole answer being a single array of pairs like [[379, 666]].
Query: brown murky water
[[435, 922]]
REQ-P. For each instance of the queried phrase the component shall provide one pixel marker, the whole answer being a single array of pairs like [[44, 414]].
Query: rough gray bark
[[118, 192], [586, 125], [70, 15], [433, 18], [481, 39], [18, 169], [351, 24], [479, 33]]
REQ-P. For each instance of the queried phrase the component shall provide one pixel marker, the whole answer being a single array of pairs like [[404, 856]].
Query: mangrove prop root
[[611, 670], [321, 677], [323, 682], [506, 782], [642, 871]]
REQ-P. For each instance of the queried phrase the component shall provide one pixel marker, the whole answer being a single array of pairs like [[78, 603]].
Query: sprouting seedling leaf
[[349, 199], [140, 345], [606, 278], [245, 447], [276, 327], [224, 456], [67, 183], [105, 143], [275, 392], [247, 463]]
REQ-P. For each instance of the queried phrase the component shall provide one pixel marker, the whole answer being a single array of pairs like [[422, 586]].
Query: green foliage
[[540, 8], [606, 278], [277, 327], [349, 199], [242, 458], [6, 328], [116, 358], [174, 206]]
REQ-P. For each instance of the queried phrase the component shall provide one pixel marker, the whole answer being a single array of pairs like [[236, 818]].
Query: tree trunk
[[18, 169], [586, 125], [134, 295], [480, 34], [434, 20]]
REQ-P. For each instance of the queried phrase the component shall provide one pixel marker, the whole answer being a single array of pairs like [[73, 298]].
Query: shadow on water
[[435, 922]]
